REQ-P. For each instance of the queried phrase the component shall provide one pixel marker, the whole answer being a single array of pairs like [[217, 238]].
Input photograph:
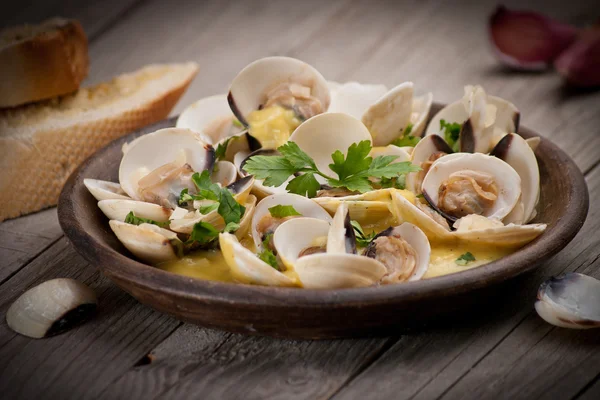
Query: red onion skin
[[528, 40], [579, 64]]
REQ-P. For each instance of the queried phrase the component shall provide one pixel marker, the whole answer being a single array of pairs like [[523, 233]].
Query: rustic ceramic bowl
[[302, 313]]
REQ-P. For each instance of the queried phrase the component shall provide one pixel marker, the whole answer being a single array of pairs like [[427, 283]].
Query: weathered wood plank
[[591, 393], [499, 353], [24, 238], [86, 359], [220, 365]]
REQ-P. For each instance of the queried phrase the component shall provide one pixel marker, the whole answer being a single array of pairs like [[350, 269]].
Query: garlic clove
[[527, 40], [51, 308], [579, 64]]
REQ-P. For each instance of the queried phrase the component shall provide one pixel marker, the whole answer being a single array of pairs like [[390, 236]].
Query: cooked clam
[[224, 173], [299, 237], [341, 238], [425, 153], [404, 250], [461, 184], [104, 190], [571, 300], [405, 211], [52, 307], [157, 166]]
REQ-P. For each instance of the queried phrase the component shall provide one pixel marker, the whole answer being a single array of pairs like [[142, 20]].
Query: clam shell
[[147, 242], [323, 134], [118, 209], [161, 147], [502, 236], [104, 190], [426, 147], [390, 115], [341, 238], [250, 86], [259, 188], [516, 152], [420, 111], [507, 179], [224, 173], [51, 307], [571, 300], [405, 211], [297, 234], [336, 271], [246, 267], [355, 98], [305, 206], [366, 208], [204, 115]]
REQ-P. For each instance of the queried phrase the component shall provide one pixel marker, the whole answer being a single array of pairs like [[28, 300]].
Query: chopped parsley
[[281, 211], [464, 259], [132, 219], [222, 149], [203, 232], [362, 239], [405, 139], [451, 133], [353, 170], [266, 254]]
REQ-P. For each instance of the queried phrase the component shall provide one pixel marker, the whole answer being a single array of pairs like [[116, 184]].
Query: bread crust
[[35, 168], [51, 63]]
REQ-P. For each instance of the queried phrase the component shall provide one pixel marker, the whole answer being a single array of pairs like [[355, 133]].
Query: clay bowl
[[301, 313]]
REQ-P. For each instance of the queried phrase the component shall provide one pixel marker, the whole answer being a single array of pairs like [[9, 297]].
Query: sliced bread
[[42, 143], [42, 61]]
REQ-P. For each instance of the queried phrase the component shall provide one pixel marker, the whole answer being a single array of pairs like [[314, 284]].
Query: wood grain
[[86, 359]]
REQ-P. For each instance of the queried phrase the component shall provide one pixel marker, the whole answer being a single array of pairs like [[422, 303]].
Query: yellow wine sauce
[[204, 264], [273, 126]]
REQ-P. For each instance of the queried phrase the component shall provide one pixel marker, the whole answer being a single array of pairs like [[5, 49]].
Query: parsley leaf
[[451, 133], [281, 211], [464, 259], [206, 188], [184, 197], [362, 239], [304, 185], [209, 208], [236, 122], [355, 183], [405, 139], [397, 183], [357, 160], [229, 209], [203, 232], [273, 169], [384, 167], [132, 219], [222, 149], [296, 157], [266, 254], [231, 227]]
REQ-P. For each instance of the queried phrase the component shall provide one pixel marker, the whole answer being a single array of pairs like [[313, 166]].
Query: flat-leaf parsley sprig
[[355, 171]]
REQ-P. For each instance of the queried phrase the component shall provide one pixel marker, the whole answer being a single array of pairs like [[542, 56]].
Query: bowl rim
[[128, 269]]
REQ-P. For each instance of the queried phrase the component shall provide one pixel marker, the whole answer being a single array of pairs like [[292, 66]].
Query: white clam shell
[[305, 206], [224, 173], [420, 111], [517, 153], [337, 238], [118, 209], [202, 116], [570, 301], [104, 190], [161, 147], [355, 98], [323, 134], [390, 114], [297, 234], [391, 150], [507, 179], [366, 208], [335, 271], [249, 88], [405, 211], [149, 243], [44, 309], [246, 267], [501, 236], [426, 147]]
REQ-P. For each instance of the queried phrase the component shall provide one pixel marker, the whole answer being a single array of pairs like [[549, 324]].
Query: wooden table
[[130, 351]]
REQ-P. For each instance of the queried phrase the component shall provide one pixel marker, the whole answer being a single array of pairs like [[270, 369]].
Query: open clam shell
[[405, 211], [224, 173], [151, 151], [118, 209], [341, 238], [246, 267], [506, 180], [249, 88], [422, 156], [367, 208], [513, 236], [104, 190], [303, 205], [51, 308], [324, 134], [395, 260], [148, 242], [210, 116], [355, 98], [516, 152], [571, 300], [300, 235]]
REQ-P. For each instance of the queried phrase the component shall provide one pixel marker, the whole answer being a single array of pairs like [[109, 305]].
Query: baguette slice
[[42, 143], [42, 61]]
